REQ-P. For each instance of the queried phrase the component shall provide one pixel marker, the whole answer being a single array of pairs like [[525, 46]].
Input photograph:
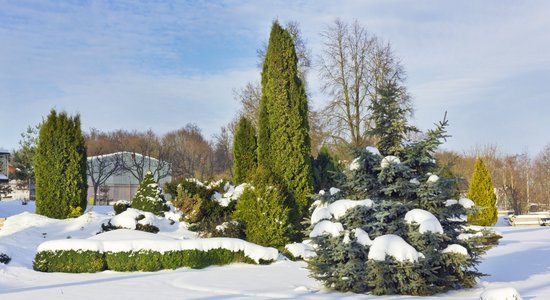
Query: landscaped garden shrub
[[133, 219], [4, 258], [149, 197], [69, 261], [121, 206], [393, 227], [205, 206]]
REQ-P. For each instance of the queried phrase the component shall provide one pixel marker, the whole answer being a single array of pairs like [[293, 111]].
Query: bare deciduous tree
[[352, 66]]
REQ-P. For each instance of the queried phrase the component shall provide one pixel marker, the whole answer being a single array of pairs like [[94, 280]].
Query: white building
[[123, 183]]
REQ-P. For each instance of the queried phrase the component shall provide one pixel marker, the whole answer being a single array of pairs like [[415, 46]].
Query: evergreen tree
[[482, 193], [244, 150], [324, 170], [149, 196], [60, 167], [283, 137], [400, 233], [389, 119]]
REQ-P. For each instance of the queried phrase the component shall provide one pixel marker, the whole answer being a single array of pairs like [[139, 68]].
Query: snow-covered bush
[[149, 196], [69, 261], [396, 232], [133, 219], [205, 205], [125, 250], [121, 206]]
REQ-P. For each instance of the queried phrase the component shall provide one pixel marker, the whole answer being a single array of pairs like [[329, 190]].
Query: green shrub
[[4, 258], [264, 217], [149, 197], [121, 206], [69, 261]]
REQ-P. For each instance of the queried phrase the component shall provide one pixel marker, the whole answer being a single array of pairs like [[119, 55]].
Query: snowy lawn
[[520, 262]]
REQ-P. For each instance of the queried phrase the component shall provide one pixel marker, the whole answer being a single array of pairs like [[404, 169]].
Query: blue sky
[[162, 64]]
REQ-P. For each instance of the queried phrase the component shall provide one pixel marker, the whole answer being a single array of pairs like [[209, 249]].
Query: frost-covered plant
[[149, 196], [121, 206], [409, 237]]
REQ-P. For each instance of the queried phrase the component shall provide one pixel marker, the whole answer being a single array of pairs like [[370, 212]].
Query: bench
[[529, 220]]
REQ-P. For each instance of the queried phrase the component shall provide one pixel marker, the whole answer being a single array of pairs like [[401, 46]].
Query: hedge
[[78, 261]]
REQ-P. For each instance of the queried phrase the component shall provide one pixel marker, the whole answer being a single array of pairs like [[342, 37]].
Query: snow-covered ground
[[520, 262]]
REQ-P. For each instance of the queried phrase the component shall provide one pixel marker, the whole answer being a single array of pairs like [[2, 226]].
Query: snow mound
[[433, 178], [326, 226], [466, 203], [456, 248], [394, 246], [450, 202], [389, 160], [302, 250], [373, 150], [354, 164], [127, 219], [336, 209], [128, 240], [427, 221], [507, 293], [362, 237]]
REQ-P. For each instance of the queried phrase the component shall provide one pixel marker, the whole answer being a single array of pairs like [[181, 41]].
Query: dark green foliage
[[5, 189], [231, 229], [396, 188], [149, 197], [194, 200], [389, 118], [325, 169], [283, 137], [60, 167], [120, 207], [482, 193], [4, 258], [244, 151], [264, 216], [69, 261]]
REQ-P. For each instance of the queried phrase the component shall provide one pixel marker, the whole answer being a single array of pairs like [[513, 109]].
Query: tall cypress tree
[[283, 138], [482, 193], [60, 167], [244, 150]]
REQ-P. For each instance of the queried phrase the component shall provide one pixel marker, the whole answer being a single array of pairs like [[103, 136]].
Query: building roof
[[4, 151]]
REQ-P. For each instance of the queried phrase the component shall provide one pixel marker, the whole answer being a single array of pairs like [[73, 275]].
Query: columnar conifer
[[283, 137], [60, 167], [482, 193], [244, 150]]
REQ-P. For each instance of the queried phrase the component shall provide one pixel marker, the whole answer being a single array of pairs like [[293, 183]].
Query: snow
[[300, 250], [455, 248], [466, 203], [326, 226], [414, 181], [519, 262], [333, 190], [336, 209], [231, 194], [450, 202], [362, 237], [427, 221], [433, 178], [506, 293], [394, 246], [354, 164], [373, 150], [389, 160]]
